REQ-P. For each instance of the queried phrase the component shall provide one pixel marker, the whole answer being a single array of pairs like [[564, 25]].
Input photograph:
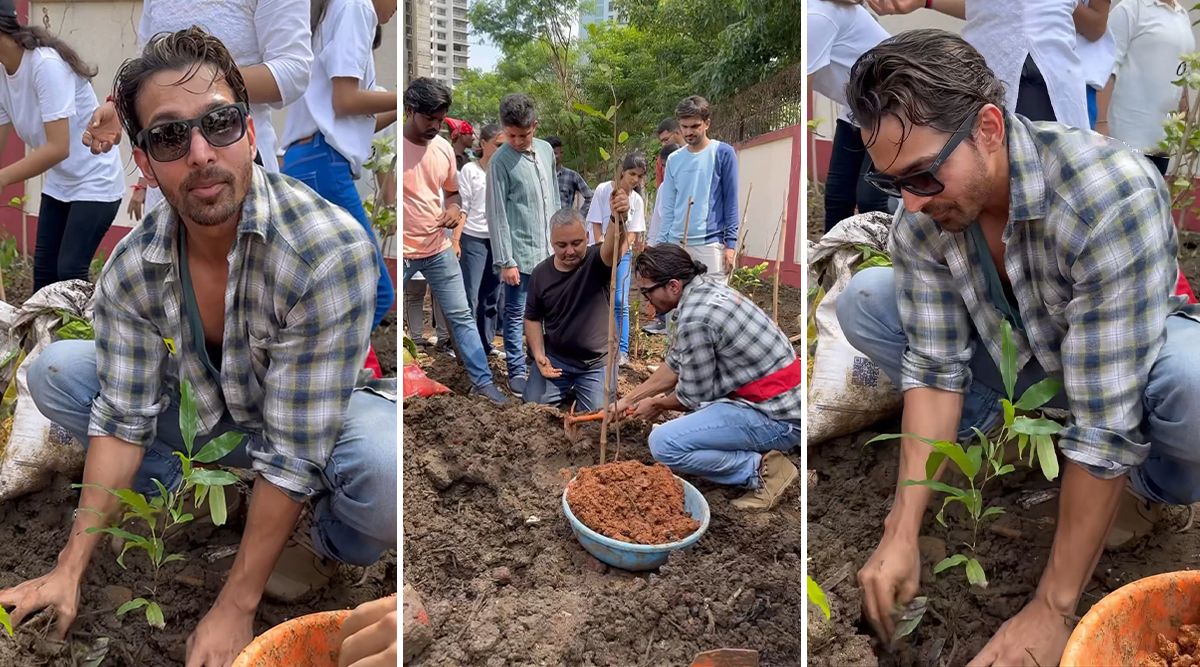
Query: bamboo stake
[[737, 249], [687, 218], [610, 368], [779, 265]]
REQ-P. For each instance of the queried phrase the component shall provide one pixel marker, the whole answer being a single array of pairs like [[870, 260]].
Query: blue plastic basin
[[639, 557]]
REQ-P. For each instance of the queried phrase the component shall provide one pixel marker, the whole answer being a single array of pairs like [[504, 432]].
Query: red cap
[[459, 128]]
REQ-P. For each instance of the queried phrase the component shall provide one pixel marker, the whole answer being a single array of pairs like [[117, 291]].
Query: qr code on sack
[[864, 373]]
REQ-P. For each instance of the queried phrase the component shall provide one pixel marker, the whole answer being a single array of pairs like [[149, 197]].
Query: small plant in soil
[[748, 279], [984, 461], [816, 595], [166, 514]]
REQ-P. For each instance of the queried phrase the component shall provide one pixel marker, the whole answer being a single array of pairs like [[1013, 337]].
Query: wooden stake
[[610, 369], [737, 250], [779, 265], [687, 218]]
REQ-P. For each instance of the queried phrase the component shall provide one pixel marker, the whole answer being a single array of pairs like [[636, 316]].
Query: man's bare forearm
[[110, 464], [533, 336], [661, 380], [1086, 509], [929, 413], [271, 520]]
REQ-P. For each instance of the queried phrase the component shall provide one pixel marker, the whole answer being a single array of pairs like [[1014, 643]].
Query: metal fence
[[764, 107]]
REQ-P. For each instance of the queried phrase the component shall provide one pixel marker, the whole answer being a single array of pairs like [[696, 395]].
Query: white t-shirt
[[44, 89], [1096, 57], [600, 211], [1006, 31], [838, 35], [472, 185], [341, 48], [1150, 37]]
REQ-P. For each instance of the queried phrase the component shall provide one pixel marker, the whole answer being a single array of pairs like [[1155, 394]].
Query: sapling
[[816, 595], [167, 513], [984, 461]]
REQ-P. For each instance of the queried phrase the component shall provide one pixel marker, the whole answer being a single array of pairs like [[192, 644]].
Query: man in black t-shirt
[[567, 310]]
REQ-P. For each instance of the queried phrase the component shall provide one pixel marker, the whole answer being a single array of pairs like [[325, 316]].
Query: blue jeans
[[320, 167], [588, 385], [722, 442], [621, 303], [442, 273], [483, 285], [354, 516], [1093, 109], [869, 316], [513, 327]]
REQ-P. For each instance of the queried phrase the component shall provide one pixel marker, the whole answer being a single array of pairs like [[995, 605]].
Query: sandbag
[[417, 383], [36, 448], [846, 390]]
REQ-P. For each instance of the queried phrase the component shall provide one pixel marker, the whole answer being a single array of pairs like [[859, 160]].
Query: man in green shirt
[[522, 194]]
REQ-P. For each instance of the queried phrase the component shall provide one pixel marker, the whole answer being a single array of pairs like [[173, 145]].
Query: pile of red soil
[[631, 502], [1183, 652]]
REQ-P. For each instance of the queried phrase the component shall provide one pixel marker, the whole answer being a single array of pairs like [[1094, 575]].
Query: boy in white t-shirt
[[633, 176]]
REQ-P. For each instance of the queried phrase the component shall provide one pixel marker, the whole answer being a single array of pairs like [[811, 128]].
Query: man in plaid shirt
[[732, 367], [1067, 236], [260, 294]]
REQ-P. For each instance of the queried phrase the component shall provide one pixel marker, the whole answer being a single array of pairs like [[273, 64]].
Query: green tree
[[512, 24]]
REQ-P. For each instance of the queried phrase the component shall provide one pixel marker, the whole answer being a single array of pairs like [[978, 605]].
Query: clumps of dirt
[[1183, 652], [631, 502]]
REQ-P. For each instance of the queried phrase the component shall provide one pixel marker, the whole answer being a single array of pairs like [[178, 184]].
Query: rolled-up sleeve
[[932, 312], [131, 357], [285, 39], [1112, 338], [315, 360]]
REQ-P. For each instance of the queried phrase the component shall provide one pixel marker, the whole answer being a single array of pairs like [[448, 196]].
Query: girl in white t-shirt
[[46, 98], [633, 176], [328, 132]]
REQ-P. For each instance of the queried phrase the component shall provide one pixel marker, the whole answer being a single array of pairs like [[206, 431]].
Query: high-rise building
[[595, 11], [448, 26], [417, 56]]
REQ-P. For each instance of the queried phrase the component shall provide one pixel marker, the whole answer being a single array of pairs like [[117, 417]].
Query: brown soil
[[631, 502], [1184, 651], [846, 508]]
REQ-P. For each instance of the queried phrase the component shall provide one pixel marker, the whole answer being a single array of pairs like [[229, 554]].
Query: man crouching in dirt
[[260, 294], [731, 365], [1068, 236]]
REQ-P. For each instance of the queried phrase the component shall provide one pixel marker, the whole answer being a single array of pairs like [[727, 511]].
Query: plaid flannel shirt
[[570, 182], [722, 341], [1091, 248], [298, 307]]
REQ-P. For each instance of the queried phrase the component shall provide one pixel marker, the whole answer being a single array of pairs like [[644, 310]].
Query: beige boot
[[777, 473], [299, 571]]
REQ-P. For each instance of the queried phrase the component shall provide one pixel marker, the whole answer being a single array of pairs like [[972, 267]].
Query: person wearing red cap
[[462, 136]]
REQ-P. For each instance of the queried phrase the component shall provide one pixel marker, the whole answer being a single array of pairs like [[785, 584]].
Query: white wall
[[768, 167]]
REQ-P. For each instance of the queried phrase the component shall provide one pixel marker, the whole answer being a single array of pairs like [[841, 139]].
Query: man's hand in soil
[[647, 408], [368, 637], [1036, 636], [58, 590], [221, 635], [547, 369], [889, 580]]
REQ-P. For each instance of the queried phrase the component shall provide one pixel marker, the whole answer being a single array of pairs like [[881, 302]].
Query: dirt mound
[[631, 502], [505, 581]]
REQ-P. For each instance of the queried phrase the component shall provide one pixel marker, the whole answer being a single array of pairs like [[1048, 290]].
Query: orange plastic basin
[[1121, 628], [306, 641]]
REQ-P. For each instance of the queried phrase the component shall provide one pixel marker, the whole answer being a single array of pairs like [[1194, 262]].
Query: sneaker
[[623, 361], [445, 348], [492, 393], [1136, 518], [496, 352], [300, 570], [777, 473], [655, 327], [517, 385]]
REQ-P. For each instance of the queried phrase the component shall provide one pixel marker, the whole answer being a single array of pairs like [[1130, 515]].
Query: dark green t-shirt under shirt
[[1002, 299]]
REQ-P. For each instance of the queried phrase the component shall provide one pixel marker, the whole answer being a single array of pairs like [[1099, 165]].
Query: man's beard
[[212, 211]]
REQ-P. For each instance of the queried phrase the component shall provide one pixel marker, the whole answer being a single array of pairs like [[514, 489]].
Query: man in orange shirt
[[431, 206]]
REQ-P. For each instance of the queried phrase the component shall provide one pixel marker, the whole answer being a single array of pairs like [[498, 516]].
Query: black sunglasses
[[647, 290], [923, 183], [170, 140]]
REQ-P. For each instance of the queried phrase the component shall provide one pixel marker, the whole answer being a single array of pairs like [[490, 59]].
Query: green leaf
[[975, 574], [604, 154], [1039, 394], [173, 558], [154, 616], [1036, 426], [136, 502], [130, 538], [136, 603], [612, 111], [162, 489], [1005, 469], [883, 437], [1022, 443], [933, 463], [7, 622], [1010, 411], [16, 202], [941, 515], [975, 454], [1008, 358], [219, 447], [185, 462], [910, 617], [213, 477], [954, 452], [216, 502], [991, 512], [200, 496], [817, 596], [75, 328], [949, 562], [589, 110], [936, 486], [622, 137], [189, 421], [1047, 457]]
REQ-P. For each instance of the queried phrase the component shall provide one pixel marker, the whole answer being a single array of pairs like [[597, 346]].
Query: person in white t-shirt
[[1096, 49], [633, 177], [328, 132], [839, 32], [46, 98], [1150, 37], [474, 245]]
